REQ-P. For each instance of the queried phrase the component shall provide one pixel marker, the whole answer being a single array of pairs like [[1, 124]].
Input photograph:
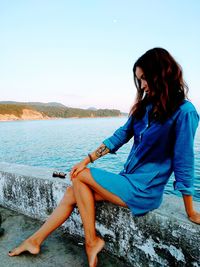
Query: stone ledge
[[163, 237]]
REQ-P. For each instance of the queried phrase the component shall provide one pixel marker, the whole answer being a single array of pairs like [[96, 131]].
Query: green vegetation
[[66, 112], [14, 109], [58, 110]]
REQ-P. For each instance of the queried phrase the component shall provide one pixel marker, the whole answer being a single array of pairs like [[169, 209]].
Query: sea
[[61, 143]]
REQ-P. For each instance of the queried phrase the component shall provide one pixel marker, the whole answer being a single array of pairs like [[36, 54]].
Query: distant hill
[[51, 104], [11, 110], [92, 108]]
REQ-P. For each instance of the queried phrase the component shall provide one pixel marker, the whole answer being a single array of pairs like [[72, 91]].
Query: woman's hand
[[195, 217], [76, 169]]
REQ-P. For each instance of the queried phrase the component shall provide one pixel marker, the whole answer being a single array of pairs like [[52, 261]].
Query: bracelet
[[90, 157]]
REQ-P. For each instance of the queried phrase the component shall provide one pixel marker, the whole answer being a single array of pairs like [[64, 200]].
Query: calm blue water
[[62, 143]]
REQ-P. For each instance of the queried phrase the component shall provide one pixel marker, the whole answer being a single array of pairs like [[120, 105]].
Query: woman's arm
[[192, 214], [121, 136], [183, 160], [110, 145], [99, 152]]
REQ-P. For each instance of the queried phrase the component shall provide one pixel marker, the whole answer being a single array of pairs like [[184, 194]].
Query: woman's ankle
[[35, 240], [91, 242]]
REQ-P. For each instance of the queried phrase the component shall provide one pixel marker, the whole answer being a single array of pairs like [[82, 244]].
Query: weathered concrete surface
[[58, 250], [1, 229], [163, 237]]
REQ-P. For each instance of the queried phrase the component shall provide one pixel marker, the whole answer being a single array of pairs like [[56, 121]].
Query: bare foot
[[28, 245], [93, 249]]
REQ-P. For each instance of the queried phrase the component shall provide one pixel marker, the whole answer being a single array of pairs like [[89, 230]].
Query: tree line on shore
[[55, 110]]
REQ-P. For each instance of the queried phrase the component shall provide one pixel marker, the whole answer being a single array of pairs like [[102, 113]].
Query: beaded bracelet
[[90, 157]]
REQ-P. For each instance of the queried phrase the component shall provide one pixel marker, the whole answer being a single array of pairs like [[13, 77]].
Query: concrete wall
[[164, 237]]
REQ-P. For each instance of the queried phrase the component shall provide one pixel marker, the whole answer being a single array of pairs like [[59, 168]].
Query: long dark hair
[[164, 77]]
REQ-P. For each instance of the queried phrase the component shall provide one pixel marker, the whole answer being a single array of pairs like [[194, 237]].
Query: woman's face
[[142, 80]]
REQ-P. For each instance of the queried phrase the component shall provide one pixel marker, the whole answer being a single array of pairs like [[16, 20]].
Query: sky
[[81, 53]]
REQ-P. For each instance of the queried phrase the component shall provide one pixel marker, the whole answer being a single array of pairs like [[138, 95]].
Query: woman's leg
[[57, 218], [85, 202], [84, 187]]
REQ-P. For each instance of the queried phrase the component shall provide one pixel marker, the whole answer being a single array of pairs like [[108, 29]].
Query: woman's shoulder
[[186, 106], [184, 110]]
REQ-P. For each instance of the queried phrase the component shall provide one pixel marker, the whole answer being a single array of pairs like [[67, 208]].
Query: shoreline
[[57, 118]]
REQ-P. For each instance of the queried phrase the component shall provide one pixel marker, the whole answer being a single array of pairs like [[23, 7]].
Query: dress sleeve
[[120, 136], [183, 158]]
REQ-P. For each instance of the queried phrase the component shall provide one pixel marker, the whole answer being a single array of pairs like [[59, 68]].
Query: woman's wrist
[[191, 213], [90, 158], [86, 161]]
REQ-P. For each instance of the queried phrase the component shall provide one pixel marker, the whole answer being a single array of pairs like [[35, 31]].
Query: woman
[[163, 124]]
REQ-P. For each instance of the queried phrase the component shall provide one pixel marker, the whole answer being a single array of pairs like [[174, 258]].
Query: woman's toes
[[25, 246], [14, 252]]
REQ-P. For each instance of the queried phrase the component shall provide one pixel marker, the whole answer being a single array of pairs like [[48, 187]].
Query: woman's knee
[[69, 196], [81, 176]]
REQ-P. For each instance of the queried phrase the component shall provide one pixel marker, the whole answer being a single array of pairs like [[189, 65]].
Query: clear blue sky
[[81, 53]]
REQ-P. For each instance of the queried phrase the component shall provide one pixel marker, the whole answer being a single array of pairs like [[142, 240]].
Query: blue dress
[[158, 150]]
